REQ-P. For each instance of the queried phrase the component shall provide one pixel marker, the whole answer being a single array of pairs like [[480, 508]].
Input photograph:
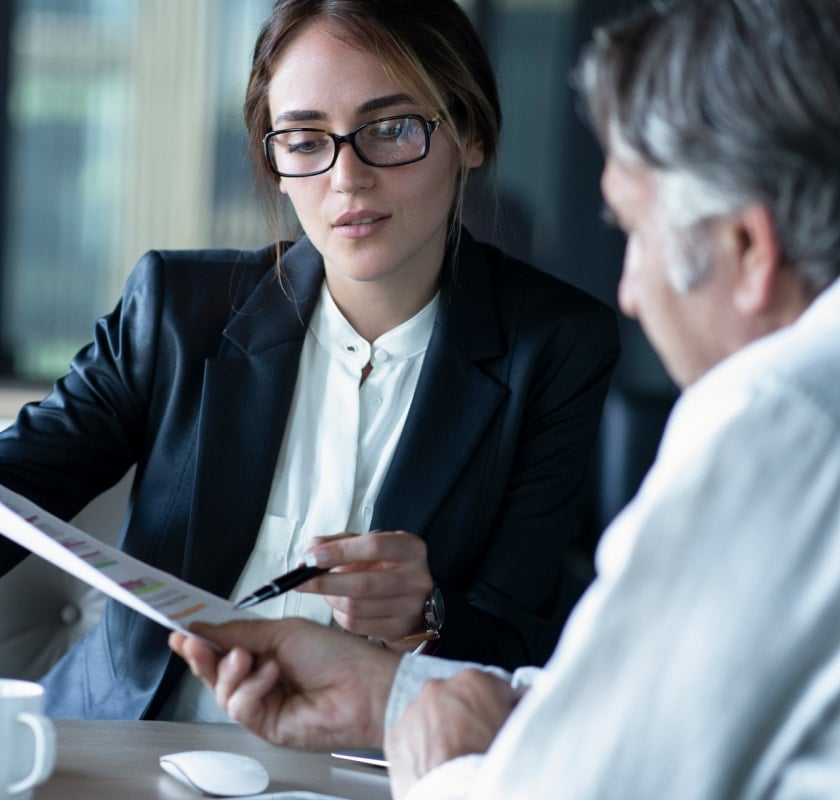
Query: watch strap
[[432, 620]]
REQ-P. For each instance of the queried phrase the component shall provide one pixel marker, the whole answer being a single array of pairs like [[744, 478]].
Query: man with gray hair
[[704, 661]]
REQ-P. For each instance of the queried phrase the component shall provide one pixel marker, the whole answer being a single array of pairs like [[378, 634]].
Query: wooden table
[[108, 760]]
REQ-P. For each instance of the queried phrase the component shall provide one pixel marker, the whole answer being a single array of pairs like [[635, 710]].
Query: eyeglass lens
[[384, 143]]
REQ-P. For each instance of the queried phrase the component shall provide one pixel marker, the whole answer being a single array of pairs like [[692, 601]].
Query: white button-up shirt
[[339, 440]]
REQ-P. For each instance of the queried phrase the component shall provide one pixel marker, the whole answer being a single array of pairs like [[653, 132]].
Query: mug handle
[[44, 756]]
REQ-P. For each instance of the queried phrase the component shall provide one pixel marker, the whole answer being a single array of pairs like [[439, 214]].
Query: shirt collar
[[340, 339]]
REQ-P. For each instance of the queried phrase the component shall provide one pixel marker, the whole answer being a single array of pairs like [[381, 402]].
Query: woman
[[397, 377]]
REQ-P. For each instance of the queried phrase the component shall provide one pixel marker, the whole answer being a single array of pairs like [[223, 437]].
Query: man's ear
[[757, 252]]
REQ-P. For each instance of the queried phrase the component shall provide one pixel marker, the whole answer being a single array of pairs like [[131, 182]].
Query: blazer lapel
[[248, 391], [455, 399], [245, 402]]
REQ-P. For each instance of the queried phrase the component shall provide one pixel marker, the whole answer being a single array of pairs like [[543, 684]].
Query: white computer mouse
[[216, 772]]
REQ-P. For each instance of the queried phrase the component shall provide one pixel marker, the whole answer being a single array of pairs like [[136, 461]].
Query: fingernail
[[315, 558]]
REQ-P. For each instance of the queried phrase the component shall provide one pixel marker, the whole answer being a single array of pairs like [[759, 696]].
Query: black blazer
[[191, 377]]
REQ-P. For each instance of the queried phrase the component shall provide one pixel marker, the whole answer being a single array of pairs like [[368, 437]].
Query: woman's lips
[[359, 225]]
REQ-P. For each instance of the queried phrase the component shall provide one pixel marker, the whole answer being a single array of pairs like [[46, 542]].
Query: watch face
[[436, 608]]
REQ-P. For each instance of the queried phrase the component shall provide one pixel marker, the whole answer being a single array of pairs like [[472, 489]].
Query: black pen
[[281, 585]]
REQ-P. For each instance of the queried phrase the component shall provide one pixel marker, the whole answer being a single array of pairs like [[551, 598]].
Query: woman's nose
[[350, 173]]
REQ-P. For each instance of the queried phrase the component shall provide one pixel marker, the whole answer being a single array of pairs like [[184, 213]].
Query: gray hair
[[741, 98]]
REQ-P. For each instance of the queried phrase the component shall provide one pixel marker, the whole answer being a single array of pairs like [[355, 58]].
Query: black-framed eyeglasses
[[386, 142]]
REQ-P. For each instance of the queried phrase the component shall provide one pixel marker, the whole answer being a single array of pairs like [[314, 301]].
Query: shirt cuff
[[415, 670]]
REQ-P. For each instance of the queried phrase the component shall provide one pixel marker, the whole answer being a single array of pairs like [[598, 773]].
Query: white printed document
[[154, 593]]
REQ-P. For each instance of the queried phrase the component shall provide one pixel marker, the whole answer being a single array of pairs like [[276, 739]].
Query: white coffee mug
[[27, 739]]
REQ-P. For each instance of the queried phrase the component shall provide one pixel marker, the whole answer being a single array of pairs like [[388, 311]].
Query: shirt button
[[376, 401], [380, 356]]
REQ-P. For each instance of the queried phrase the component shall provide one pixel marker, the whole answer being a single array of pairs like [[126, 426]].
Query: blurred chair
[[631, 429], [43, 610]]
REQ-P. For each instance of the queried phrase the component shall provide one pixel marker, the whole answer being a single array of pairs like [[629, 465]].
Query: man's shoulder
[[785, 381], [798, 361]]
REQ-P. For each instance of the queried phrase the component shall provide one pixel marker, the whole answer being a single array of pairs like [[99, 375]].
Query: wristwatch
[[433, 618]]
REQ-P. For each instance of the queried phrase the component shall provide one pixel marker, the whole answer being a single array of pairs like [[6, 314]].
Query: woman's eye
[[390, 131], [306, 146]]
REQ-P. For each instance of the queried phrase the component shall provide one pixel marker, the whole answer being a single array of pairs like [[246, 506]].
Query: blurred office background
[[122, 131]]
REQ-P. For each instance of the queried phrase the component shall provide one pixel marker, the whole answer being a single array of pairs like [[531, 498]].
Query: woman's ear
[[475, 154], [281, 186], [758, 260]]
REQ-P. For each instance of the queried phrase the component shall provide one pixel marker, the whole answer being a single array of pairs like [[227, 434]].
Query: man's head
[[721, 124]]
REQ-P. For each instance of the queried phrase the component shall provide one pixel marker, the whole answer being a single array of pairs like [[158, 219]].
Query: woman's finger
[[380, 546]]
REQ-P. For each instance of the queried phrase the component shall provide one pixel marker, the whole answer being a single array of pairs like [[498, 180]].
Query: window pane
[[126, 134]]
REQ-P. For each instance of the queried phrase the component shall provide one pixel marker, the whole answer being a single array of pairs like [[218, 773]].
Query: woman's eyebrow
[[386, 102], [296, 115], [377, 103]]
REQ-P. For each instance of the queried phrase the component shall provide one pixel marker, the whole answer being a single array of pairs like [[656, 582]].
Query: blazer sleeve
[[137, 378], [85, 434]]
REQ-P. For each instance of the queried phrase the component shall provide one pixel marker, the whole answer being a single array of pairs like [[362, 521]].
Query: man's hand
[[449, 719], [293, 682]]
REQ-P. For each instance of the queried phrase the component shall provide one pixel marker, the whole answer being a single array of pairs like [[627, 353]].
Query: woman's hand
[[377, 584]]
